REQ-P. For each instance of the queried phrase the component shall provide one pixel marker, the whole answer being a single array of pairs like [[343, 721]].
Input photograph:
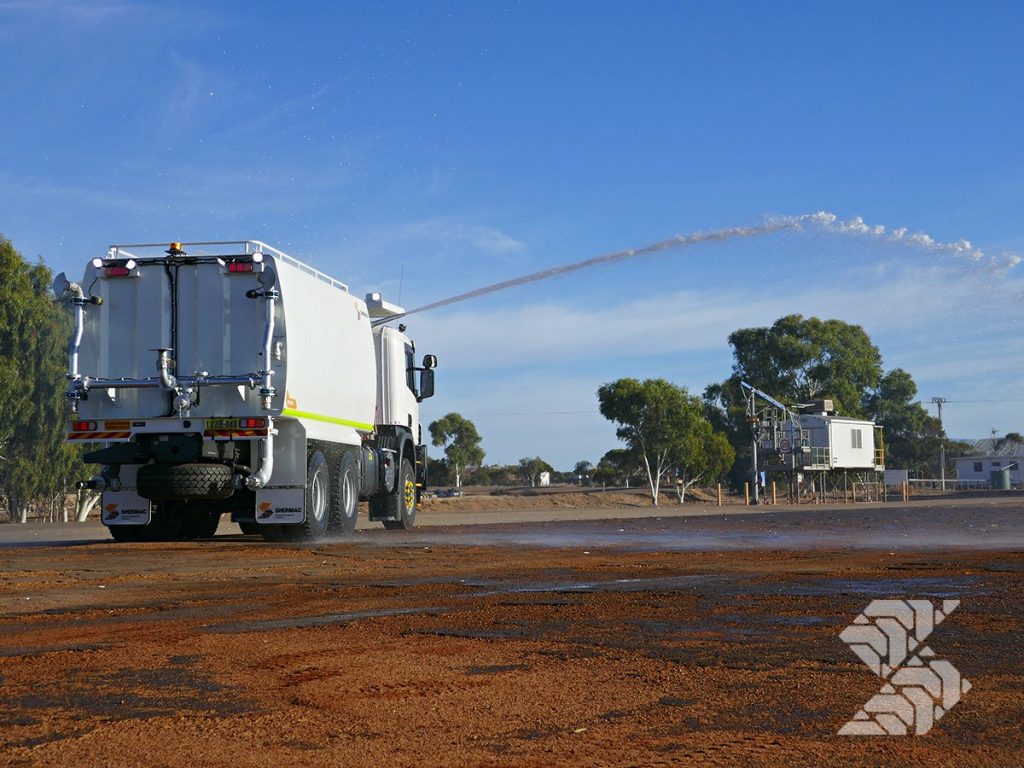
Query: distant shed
[[990, 455]]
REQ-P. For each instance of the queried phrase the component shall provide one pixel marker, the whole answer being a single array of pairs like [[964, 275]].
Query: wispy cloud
[[452, 232], [439, 241], [86, 13], [73, 10], [940, 322], [691, 321], [20, 189]]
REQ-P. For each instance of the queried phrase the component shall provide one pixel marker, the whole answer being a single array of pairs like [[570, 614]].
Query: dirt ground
[[617, 642]]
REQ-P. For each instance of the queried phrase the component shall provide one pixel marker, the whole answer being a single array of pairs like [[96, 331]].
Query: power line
[[1000, 400], [539, 413]]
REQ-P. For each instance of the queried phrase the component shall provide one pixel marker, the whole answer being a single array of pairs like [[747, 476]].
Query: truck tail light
[[252, 423], [116, 271], [83, 426], [240, 266]]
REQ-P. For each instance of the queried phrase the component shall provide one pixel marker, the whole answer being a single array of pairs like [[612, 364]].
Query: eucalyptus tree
[[461, 443]]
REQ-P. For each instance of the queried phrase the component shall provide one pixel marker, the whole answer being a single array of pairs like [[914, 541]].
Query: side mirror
[[426, 383], [61, 284], [430, 361]]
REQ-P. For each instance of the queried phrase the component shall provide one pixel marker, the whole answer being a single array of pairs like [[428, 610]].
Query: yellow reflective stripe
[[328, 419]]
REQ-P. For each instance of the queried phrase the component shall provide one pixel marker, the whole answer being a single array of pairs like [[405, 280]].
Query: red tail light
[[83, 426], [116, 271], [240, 266], [252, 423]]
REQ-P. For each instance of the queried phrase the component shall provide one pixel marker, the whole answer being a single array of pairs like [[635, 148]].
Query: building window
[[855, 438], [977, 466]]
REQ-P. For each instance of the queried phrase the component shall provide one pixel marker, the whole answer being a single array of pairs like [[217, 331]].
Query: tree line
[[672, 436], [37, 469]]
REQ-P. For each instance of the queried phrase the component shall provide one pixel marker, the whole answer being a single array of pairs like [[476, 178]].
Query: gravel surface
[[677, 640]]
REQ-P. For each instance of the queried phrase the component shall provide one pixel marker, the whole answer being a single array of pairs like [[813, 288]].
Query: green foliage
[[912, 437], [35, 464], [664, 426], [799, 359], [461, 443], [581, 471], [530, 469], [616, 467]]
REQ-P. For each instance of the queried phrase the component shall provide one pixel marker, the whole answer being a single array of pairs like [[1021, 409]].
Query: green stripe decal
[[328, 419]]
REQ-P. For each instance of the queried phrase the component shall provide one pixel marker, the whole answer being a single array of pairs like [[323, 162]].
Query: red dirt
[[238, 653]]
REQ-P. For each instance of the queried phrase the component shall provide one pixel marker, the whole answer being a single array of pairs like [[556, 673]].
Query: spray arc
[[821, 222]]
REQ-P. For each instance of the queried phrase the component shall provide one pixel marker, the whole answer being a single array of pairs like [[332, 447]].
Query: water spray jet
[[822, 221]]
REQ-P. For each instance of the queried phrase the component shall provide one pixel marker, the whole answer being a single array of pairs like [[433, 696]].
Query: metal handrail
[[249, 247]]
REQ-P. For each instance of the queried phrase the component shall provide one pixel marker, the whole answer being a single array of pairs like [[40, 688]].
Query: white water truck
[[229, 378]]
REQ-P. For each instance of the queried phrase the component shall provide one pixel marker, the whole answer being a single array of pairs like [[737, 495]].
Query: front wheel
[[401, 504]]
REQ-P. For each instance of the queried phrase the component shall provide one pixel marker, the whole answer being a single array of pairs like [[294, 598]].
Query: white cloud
[[900, 300], [554, 415], [936, 321], [453, 231]]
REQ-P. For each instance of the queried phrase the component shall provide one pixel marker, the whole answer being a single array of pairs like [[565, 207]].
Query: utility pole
[[942, 446], [753, 421]]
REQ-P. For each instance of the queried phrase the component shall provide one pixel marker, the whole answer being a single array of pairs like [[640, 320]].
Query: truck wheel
[[129, 533], [274, 533], [250, 529], [318, 501], [199, 524], [402, 503], [166, 523], [345, 500], [185, 481]]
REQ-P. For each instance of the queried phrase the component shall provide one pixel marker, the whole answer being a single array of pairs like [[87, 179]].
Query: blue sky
[[458, 144]]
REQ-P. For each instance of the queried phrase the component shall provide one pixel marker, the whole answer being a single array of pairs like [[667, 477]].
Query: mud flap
[[281, 506], [125, 507]]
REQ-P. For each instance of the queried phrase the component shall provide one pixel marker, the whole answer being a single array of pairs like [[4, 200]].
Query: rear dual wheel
[[345, 499], [318, 503], [170, 521]]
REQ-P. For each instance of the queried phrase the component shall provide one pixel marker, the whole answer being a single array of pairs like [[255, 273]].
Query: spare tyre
[[185, 481]]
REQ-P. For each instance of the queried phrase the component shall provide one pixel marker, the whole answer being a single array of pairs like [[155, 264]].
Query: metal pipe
[[261, 476], [86, 383], [267, 391], [163, 364], [76, 338]]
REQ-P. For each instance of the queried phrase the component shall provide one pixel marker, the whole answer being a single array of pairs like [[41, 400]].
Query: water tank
[[1000, 479]]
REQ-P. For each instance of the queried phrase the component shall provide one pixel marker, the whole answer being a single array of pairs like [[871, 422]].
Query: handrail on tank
[[249, 247]]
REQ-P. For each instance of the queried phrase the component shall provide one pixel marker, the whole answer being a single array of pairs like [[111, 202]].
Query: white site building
[[818, 450]]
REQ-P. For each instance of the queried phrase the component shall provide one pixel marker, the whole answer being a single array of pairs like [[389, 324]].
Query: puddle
[[495, 669], [688, 582], [132, 694], [944, 587], [322, 620]]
